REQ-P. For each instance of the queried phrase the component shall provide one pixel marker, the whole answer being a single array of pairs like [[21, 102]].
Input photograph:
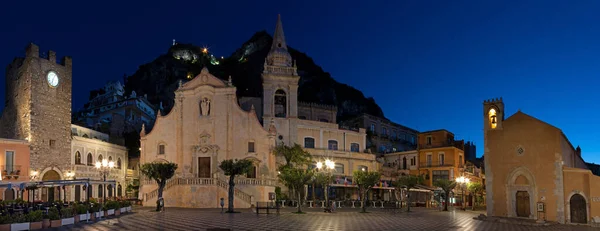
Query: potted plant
[[67, 216], [109, 208], [45, 221], [95, 209], [35, 219], [5, 221], [82, 212], [54, 217], [19, 222], [123, 205]]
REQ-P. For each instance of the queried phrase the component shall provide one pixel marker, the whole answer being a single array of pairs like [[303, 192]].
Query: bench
[[268, 206]]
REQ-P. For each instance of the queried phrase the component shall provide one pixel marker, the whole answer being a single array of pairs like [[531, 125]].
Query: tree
[[323, 179], [295, 179], [447, 186], [365, 181], [409, 182], [160, 172], [293, 155], [475, 188], [231, 169]]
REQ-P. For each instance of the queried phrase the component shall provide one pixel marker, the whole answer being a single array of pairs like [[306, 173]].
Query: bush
[[35, 216], [66, 213], [112, 205], [81, 208], [5, 219], [53, 214]]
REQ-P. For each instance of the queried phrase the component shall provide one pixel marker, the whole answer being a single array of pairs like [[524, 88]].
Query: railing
[[436, 164], [11, 171], [442, 145], [197, 181]]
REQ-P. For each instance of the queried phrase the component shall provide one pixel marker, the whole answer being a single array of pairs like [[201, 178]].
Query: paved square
[[315, 219]]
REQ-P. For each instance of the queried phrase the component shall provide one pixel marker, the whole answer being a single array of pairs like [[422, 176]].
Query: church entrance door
[[578, 209], [523, 204], [48, 194], [204, 167]]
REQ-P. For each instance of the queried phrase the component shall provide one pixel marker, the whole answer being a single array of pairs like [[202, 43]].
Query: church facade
[[534, 172], [208, 124]]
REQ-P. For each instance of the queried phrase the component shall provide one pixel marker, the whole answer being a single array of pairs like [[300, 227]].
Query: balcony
[[11, 171], [436, 164], [444, 144]]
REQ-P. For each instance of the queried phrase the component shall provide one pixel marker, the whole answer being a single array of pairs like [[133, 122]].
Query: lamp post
[[328, 166], [104, 167], [463, 181]]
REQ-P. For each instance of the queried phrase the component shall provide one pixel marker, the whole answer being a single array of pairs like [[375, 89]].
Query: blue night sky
[[428, 64]]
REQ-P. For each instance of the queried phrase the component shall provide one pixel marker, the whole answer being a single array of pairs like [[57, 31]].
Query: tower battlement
[[493, 100], [33, 51]]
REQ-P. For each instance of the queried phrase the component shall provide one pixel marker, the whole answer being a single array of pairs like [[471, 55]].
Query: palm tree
[[408, 182], [231, 169], [447, 186], [160, 172]]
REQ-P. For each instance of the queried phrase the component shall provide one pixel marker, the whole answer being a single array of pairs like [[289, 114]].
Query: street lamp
[[463, 181], [104, 167], [328, 166]]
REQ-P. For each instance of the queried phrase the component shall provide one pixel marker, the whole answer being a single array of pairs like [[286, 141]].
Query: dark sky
[[428, 64]]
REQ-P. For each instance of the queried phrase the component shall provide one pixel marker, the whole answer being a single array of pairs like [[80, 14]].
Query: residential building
[[440, 156], [14, 166], [534, 172], [384, 136]]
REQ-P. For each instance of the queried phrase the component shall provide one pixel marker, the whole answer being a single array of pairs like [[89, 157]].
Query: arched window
[[309, 142], [90, 159], [109, 190], [100, 158], [119, 164], [77, 157], [280, 104], [100, 191], [332, 145], [354, 147]]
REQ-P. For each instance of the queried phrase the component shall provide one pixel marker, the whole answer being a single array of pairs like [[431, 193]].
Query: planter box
[[55, 223], [83, 217], [99, 214], [19, 226], [5, 227], [110, 212], [124, 210], [45, 223], [35, 225], [128, 208], [68, 221]]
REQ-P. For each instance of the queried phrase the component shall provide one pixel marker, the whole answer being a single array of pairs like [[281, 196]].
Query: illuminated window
[[493, 118]]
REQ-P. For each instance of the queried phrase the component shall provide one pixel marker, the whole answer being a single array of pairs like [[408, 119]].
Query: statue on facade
[[205, 107]]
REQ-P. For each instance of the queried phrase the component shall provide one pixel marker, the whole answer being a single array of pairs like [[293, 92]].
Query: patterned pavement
[[314, 219]]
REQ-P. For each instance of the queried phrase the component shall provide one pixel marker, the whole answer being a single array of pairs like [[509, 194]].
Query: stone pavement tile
[[202, 219]]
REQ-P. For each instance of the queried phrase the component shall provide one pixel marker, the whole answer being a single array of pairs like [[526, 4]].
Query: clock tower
[[38, 109]]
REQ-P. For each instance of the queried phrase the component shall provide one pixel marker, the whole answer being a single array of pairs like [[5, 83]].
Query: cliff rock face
[[159, 78]]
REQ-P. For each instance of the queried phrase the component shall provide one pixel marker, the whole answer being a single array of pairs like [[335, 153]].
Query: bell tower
[[280, 79], [493, 114]]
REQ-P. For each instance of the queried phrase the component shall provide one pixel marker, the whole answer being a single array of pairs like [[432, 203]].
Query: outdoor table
[[310, 202]]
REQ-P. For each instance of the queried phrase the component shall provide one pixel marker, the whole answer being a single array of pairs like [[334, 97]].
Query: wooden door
[[523, 209], [578, 209], [204, 167]]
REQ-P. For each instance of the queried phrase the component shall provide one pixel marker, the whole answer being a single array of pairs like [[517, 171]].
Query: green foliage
[[35, 216], [19, 218], [160, 172], [365, 181], [66, 213], [323, 178], [294, 155], [279, 195], [295, 179], [112, 205], [477, 189], [409, 182], [53, 213], [81, 208], [5, 219], [236, 167], [447, 186]]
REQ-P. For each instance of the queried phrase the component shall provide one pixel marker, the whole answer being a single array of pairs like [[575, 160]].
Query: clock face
[[52, 79]]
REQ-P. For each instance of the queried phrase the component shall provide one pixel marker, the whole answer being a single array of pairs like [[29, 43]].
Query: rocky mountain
[[158, 79]]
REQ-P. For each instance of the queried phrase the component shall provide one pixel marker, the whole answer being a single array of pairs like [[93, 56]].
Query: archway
[[50, 194], [280, 104], [520, 193], [578, 209]]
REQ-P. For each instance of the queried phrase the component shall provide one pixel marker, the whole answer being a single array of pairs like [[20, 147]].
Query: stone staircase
[[198, 181]]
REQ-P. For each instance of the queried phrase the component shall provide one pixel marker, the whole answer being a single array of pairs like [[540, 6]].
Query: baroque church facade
[[208, 125], [38, 112]]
